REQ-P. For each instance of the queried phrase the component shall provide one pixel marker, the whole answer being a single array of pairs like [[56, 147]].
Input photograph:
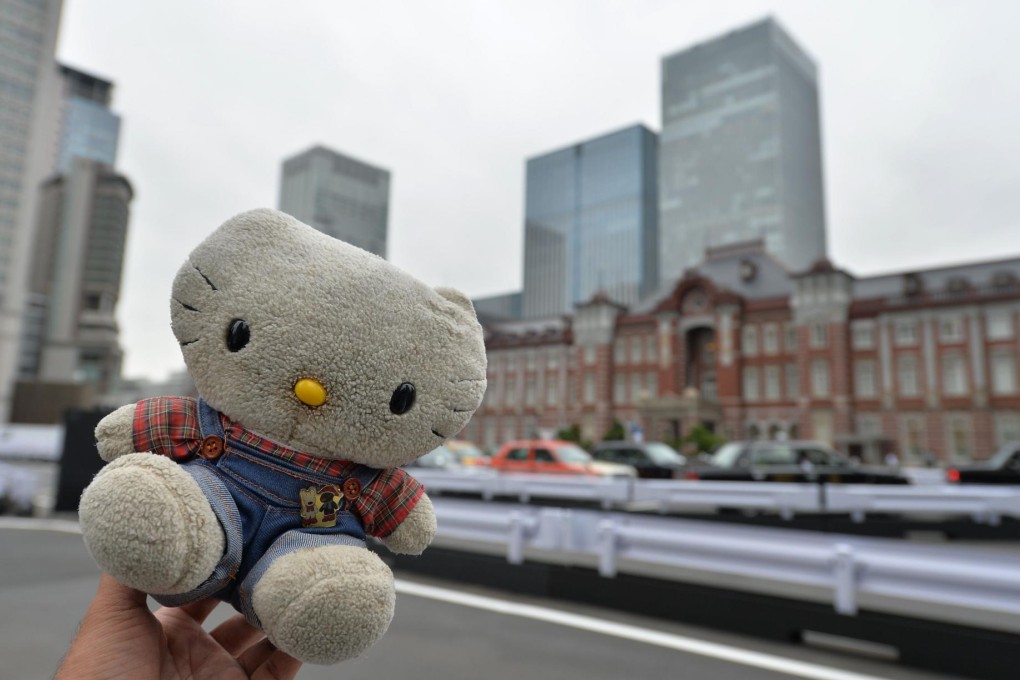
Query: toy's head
[[323, 347]]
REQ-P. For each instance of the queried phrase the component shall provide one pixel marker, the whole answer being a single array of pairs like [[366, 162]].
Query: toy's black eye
[[402, 399], [238, 335]]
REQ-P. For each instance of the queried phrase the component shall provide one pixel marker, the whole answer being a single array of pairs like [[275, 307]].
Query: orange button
[[352, 489], [212, 448]]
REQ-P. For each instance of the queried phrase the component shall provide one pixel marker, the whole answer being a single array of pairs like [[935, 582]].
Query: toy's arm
[[114, 434], [416, 532]]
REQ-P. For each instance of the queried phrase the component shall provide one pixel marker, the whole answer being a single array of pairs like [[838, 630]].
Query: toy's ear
[[458, 298]]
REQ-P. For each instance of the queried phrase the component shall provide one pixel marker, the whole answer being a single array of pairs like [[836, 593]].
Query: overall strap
[[209, 420]]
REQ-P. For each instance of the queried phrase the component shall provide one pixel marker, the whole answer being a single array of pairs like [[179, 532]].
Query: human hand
[[120, 638]]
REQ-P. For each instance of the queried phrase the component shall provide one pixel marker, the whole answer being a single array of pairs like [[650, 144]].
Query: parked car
[[652, 460], [789, 461], [454, 454], [553, 456], [1002, 468]]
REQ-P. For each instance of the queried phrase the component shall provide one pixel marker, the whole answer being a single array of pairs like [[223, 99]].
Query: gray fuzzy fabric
[[146, 522], [113, 434], [320, 308], [416, 532], [326, 604]]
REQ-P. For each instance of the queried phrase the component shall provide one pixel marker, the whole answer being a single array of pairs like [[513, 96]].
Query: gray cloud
[[919, 105]]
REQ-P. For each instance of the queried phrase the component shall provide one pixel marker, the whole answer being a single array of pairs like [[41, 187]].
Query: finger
[[255, 656], [279, 666], [236, 635], [114, 594], [200, 610]]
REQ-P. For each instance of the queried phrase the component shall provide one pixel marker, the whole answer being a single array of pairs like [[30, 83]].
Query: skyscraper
[[29, 110], [590, 222], [740, 154], [89, 129], [338, 195]]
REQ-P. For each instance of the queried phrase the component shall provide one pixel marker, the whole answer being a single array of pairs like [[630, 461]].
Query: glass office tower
[[740, 150], [89, 128], [338, 195], [591, 222]]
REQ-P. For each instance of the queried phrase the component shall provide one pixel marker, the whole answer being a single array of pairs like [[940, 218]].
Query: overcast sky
[[920, 111]]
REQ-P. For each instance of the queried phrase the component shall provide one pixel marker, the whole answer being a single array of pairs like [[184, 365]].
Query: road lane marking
[[770, 662], [559, 617]]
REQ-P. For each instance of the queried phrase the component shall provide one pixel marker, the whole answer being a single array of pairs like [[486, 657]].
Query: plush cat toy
[[321, 369]]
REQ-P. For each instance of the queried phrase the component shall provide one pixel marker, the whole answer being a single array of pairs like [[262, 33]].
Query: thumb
[[116, 596]]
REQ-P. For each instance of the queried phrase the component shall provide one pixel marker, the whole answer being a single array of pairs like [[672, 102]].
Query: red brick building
[[916, 362]]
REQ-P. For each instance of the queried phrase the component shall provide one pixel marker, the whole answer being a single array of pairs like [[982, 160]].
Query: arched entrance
[[699, 370]]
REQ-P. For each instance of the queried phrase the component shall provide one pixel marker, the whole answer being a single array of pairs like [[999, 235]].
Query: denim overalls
[[257, 499]]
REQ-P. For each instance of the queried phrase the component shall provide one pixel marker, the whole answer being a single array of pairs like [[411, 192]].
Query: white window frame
[[903, 363], [750, 383], [1003, 370], [951, 328], [770, 339], [905, 332], [999, 324], [865, 379], [954, 375], [821, 381], [749, 340], [791, 376], [862, 335], [772, 383], [819, 335]]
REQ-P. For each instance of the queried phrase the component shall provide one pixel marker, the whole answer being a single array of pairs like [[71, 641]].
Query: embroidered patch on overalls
[[319, 506]]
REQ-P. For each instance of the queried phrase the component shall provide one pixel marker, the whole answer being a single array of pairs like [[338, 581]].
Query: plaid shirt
[[169, 427]]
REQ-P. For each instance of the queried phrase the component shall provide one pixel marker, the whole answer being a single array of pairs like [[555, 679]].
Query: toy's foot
[[325, 604], [147, 524]]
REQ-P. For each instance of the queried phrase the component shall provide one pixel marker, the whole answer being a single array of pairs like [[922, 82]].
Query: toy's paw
[[416, 532], [114, 433], [325, 604], [147, 524]]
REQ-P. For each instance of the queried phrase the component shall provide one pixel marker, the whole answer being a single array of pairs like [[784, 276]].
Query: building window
[[509, 428], [620, 351], [863, 335], [864, 379], [912, 435], [772, 392], [651, 348], [959, 437], [589, 388], [791, 337], [951, 329], [635, 349], [493, 392], [819, 335], [552, 388], [954, 375], [652, 383], [820, 378], [1007, 428], [553, 360], [906, 333], [1004, 373], [511, 392], [750, 383], [511, 363], [589, 355], [999, 324], [770, 338], [636, 388], [869, 425], [749, 341], [792, 381], [821, 426], [529, 392], [620, 388], [531, 359], [491, 440], [906, 376]]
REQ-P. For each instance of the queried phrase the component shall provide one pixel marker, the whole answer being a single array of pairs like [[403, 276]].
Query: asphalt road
[[47, 580]]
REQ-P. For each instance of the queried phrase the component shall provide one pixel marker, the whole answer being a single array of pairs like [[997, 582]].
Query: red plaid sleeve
[[167, 426], [387, 501]]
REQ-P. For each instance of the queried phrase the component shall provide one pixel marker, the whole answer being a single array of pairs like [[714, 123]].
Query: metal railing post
[[845, 575]]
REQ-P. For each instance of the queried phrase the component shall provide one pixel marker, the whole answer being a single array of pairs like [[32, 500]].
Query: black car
[[1001, 468], [788, 461], [652, 460]]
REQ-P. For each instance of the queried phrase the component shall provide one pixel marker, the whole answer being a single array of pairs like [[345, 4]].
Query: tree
[[573, 434], [616, 432], [703, 439]]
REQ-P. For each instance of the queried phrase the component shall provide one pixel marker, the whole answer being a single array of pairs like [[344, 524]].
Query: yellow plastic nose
[[310, 392]]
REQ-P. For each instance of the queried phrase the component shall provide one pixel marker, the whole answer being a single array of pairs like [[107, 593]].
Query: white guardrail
[[956, 583], [984, 504]]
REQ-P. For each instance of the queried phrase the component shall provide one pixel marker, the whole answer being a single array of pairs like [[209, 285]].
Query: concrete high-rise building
[[740, 152], [29, 120], [591, 223], [338, 195]]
